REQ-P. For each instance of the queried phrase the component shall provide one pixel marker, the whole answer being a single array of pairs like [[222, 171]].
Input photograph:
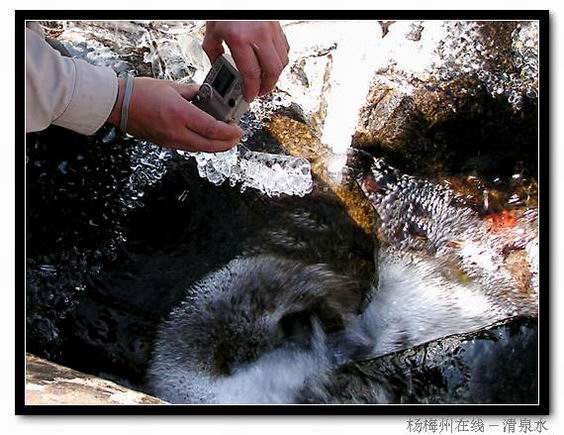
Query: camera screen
[[223, 81]]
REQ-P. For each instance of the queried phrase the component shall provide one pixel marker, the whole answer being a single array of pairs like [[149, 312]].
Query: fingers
[[187, 91], [192, 141], [159, 112], [281, 49], [213, 46], [260, 66], [281, 44], [202, 132], [203, 123], [260, 50], [249, 67], [271, 66], [283, 37], [208, 127]]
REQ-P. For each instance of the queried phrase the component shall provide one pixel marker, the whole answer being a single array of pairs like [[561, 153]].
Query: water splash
[[423, 222]]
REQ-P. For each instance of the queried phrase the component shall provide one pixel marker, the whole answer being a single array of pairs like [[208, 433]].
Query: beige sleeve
[[63, 91]]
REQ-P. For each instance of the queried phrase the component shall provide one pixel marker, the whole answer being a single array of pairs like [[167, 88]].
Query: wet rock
[[307, 81], [479, 144], [52, 384], [451, 128], [386, 118], [518, 264], [495, 365], [297, 138], [471, 112]]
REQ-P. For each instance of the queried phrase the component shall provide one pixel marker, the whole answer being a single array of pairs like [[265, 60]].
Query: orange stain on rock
[[501, 220]]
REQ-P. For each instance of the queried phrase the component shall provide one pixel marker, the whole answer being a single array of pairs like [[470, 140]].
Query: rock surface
[[466, 108], [48, 383], [494, 365]]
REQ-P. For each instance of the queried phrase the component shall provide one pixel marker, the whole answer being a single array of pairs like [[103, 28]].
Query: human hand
[[259, 49], [160, 111]]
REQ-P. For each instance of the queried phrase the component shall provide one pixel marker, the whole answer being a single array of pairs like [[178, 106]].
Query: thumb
[[213, 46], [187, 91]]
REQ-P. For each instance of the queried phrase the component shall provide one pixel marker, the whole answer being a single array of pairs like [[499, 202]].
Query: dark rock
[[496, 365]]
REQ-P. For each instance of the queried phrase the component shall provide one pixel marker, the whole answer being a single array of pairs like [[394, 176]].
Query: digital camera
[[221, 94]]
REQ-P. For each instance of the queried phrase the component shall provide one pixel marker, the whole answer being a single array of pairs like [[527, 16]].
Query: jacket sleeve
[[63, 91]]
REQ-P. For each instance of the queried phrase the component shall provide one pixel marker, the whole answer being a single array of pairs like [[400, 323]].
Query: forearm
[[82, 97], [67, 92]]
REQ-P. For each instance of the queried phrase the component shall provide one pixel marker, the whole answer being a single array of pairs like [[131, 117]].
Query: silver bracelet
[[129, 79]]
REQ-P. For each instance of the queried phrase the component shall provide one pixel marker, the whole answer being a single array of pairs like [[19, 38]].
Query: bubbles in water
[[149, 163], [48, 269], [63, 167], [510, 71]]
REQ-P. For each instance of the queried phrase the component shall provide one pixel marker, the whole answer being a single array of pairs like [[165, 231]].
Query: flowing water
[[429, 227]]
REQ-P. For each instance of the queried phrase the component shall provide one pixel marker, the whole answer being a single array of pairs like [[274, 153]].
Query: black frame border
[[542, 408]]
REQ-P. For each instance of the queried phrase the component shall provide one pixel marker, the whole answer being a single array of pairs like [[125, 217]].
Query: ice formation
[[329, 74], [272, 174]]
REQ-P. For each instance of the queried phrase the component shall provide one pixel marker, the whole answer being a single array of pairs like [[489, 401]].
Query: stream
[[407, 169]]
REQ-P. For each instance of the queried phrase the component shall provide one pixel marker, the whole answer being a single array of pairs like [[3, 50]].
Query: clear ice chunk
[[271, 174], [275, 174]]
